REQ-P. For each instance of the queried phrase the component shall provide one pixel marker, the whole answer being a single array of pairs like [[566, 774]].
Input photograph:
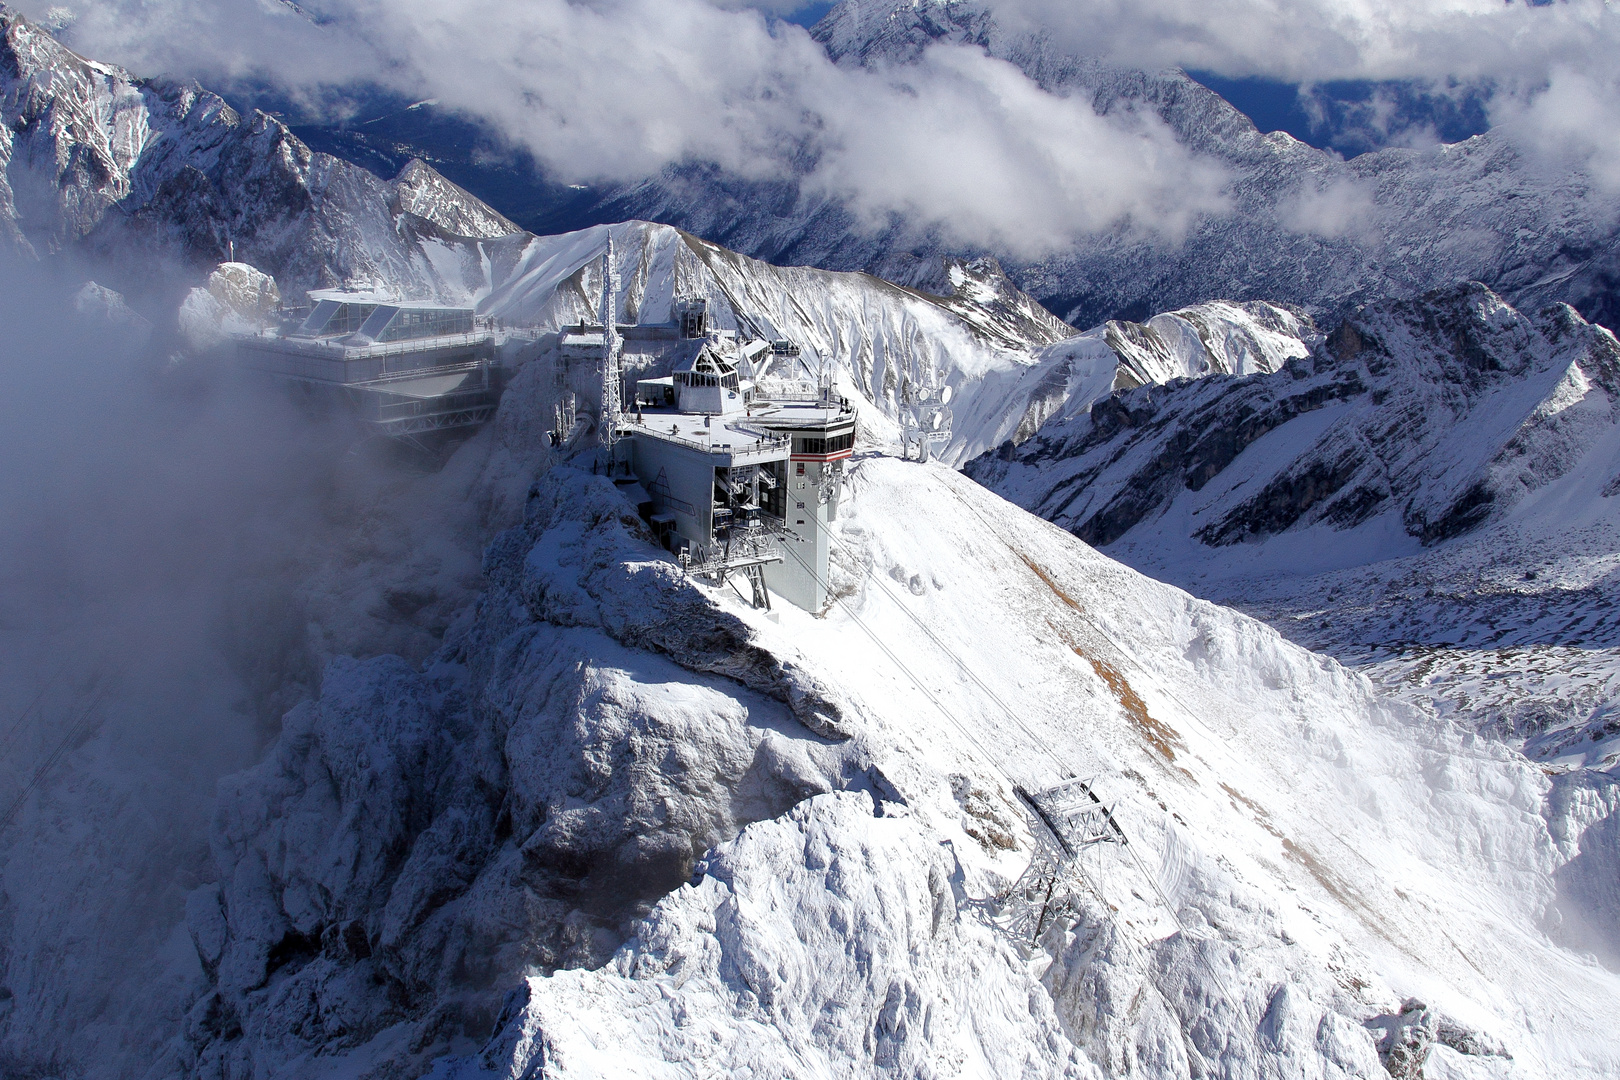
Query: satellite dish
[[945, 395]]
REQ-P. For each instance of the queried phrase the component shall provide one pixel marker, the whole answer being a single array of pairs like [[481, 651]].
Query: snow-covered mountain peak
[[897, 31], [161, 179], [1303, 226], [1069, 376], [420, 190]]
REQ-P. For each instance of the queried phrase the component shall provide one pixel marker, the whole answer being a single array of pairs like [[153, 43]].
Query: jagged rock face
[[1217, 338], [139, 171], [1305, 226], [415, 841], [238, 299], [1443, 411], [828, 942]]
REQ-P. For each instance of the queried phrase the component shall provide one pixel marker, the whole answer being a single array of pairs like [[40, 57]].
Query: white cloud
[[971, 141], [1554, 67], [616, 89], [1569, 123], [1313, 40], [1338, 208]]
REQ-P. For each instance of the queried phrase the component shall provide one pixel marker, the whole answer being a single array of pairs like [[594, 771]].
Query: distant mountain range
[[1474, 210]]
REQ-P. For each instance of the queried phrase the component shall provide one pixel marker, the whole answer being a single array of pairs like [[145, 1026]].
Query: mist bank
[[181, 553]]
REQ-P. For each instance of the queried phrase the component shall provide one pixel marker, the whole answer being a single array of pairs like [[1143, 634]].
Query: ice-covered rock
[[619, 809], [239, 299]]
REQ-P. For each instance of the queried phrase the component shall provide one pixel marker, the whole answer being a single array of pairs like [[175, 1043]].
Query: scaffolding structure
[[744, 549], [612, 406]]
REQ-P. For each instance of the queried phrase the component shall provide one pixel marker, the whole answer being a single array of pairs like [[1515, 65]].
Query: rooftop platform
[[730, 441]]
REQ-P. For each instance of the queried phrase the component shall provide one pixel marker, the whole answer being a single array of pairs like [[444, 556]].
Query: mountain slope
[[1421, 418], [1338, 854], [1428, 496]]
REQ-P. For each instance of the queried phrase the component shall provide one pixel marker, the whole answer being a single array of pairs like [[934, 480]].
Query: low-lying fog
[[180, 551]]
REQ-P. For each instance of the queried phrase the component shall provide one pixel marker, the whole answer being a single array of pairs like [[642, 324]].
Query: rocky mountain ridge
[[1429, 495], [1443, 411], [153, 179]]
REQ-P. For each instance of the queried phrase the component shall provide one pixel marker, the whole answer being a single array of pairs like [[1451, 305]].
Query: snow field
[[1347, 851]]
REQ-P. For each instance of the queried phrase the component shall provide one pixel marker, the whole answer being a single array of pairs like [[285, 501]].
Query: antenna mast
[[610, 350]]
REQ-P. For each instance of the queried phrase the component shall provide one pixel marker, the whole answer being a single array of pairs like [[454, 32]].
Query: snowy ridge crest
[[1443, 411]]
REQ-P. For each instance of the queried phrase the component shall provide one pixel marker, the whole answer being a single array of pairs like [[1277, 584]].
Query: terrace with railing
[[329, 361]]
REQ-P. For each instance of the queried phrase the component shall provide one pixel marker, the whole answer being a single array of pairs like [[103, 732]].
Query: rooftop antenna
[[610, 351]]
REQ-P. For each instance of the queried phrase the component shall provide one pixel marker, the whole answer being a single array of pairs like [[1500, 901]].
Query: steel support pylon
[[1066, 819]]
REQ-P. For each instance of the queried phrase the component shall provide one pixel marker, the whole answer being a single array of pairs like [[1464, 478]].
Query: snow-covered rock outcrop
[[421, 191], [239, 299], [416, 840], [432, 853], [104, 306]]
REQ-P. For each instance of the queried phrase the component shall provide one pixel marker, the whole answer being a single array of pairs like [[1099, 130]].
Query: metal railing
[[329, 350], [376, 407], [332, 367]]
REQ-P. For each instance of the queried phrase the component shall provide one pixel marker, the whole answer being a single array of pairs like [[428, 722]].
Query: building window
[[410, 324], [803, 444]]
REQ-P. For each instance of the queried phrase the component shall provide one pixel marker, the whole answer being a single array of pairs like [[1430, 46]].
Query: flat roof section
[[733, 442]]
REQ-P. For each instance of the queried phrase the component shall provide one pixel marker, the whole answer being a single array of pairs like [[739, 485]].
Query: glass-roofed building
[[404, 368]]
